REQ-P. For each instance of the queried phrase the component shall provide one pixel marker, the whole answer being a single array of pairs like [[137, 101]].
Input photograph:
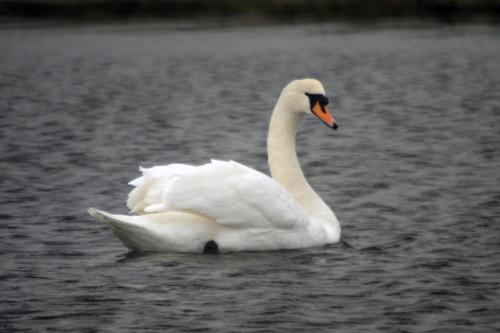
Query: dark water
[[413, 175]]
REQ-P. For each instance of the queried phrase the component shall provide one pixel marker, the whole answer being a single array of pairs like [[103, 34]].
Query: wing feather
[[232, 194]]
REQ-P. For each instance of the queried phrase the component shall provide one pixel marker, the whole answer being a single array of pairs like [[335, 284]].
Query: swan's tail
[[129, 229], [119, 222], [158, 232], [107, 218]]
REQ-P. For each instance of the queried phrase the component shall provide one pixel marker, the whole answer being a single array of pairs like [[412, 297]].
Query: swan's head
[[308, 96]]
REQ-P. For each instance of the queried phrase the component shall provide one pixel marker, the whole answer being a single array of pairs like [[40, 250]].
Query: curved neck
[[284, 164]]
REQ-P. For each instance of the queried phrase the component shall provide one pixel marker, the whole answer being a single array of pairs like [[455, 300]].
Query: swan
[[224, 206]]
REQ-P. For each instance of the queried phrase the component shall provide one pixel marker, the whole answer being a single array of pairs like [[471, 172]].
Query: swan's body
[[183, 208]]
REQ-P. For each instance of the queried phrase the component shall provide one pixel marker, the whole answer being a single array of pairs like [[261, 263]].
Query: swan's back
[[230, 193]]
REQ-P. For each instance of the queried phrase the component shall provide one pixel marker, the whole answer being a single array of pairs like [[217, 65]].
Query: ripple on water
[[412, 175]]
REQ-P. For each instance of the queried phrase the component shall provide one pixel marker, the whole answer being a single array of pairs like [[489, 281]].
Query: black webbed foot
[[211, 247]]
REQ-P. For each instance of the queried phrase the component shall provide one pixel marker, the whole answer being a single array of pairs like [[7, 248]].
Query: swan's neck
[[284, 165]]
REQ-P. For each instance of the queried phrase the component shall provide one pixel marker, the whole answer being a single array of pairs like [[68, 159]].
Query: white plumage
[[230, 193], [185, 208]]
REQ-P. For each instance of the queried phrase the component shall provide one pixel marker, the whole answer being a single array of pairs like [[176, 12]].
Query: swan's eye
[[315, 98]]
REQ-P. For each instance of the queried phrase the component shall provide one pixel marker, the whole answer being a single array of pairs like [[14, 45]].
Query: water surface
[[412, 174]]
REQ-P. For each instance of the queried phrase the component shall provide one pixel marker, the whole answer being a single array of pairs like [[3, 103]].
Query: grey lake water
[[413, 175]]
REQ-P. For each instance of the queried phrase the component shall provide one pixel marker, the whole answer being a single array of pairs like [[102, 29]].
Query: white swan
[[226, 206]]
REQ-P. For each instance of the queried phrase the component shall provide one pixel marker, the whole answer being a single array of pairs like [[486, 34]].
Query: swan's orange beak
[[324, 114]]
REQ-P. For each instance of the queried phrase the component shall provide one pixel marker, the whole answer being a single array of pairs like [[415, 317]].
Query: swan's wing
[[147, 196], [228, 192]]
